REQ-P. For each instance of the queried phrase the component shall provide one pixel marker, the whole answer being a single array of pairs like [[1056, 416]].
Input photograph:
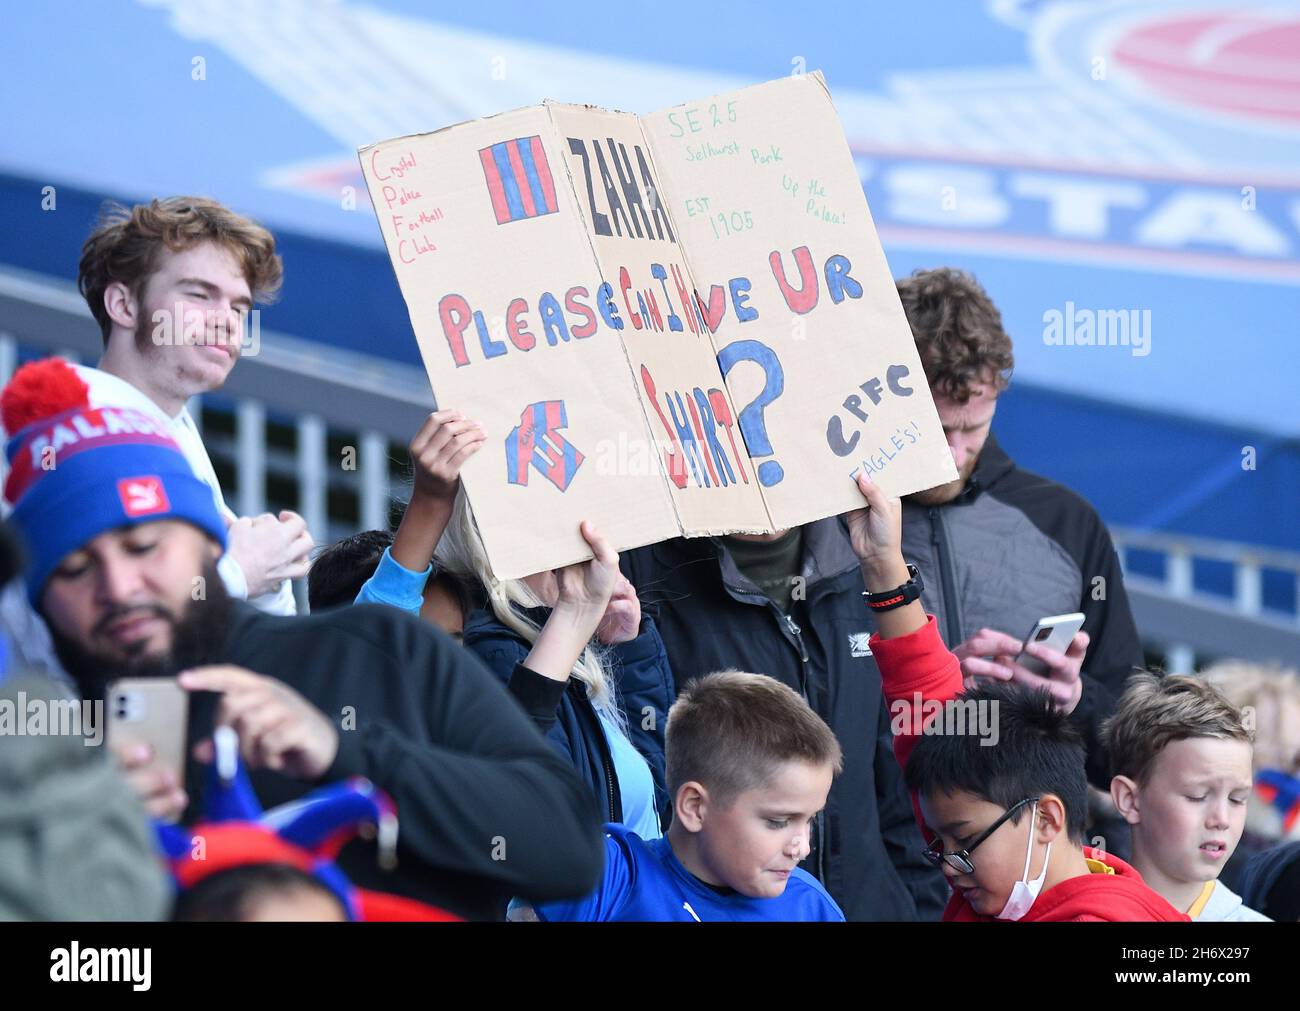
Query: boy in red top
[[972, 790]]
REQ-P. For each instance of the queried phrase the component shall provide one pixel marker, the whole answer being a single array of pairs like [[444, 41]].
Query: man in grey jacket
[[999, 547]]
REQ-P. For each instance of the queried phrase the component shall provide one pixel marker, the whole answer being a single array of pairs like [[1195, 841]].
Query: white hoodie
[[108, 390]]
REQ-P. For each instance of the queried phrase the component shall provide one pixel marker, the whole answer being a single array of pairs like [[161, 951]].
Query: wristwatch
[[899, 596]]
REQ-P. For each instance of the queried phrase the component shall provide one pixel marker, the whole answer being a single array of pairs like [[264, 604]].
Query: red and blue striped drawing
[[536, 442], [519, 179]]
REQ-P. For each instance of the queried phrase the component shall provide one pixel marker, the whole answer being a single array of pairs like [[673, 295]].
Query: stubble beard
[[944, 493]]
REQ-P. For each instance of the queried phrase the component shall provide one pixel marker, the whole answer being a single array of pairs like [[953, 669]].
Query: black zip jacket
[[486, 808], [1014, 547], [866, 848]]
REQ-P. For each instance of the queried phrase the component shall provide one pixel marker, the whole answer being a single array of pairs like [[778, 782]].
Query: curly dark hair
[[958, 332]]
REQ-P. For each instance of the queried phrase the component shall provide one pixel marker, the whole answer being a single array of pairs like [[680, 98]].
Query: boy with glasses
[[972, 792]]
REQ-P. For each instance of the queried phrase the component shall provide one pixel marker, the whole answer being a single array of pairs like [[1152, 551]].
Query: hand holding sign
[[583, 589], [582, 599], [876, 533], [440, 448], [438, 451]]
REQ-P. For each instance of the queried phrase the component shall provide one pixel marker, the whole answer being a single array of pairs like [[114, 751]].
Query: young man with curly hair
[[171, 284], [999, 547]]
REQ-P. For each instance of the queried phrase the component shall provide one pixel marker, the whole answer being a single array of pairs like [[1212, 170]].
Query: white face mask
[[1023, 892]]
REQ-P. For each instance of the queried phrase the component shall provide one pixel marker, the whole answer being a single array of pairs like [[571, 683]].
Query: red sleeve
[[914, 669]]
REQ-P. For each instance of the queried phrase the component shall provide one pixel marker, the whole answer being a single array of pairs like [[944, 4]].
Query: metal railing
[[1191, 625], [372, 407], [367, 408]]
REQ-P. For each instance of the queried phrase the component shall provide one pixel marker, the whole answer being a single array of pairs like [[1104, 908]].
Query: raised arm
[[915, 666], [537, 680], [438, 452]]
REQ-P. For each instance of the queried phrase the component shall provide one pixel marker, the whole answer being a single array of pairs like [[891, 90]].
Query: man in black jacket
[[790, 606], [124, 540], [999, 547]]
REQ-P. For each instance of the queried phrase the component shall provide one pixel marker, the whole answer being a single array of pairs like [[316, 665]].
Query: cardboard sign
[[681, 323]]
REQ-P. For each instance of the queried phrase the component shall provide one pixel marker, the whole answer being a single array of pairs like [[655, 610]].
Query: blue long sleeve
[[395, 585]]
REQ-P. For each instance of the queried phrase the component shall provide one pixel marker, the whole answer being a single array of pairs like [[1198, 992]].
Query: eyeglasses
[[959, 860]]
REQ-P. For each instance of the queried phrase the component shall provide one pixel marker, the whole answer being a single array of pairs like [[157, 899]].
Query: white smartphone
[[1056, 632], [152, 711]]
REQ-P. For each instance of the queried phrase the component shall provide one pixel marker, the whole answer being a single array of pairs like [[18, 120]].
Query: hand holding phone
[[997, 656], [1055, 632], [146, 731]]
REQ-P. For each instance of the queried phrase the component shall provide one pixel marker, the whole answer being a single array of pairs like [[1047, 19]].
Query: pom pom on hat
[[116, 466], [41, 390]]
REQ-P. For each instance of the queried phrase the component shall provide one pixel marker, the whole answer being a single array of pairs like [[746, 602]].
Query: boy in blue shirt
[[749, 768]]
